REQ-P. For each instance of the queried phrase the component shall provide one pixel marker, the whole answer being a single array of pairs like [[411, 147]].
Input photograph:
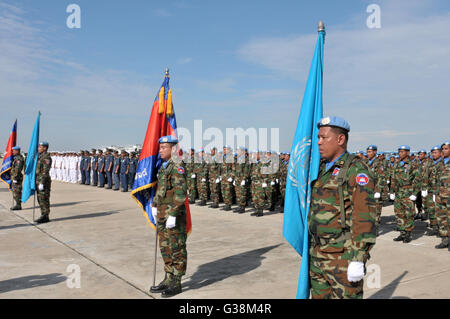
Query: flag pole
[[156, 253], [34, 204]]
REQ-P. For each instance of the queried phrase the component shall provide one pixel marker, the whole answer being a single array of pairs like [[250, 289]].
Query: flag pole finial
[[167, 72], [321, 26]]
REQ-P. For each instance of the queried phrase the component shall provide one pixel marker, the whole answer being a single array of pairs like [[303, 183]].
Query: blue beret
[[404, 147], [334, 121], [16, 148], [43, 144], [446, 143], [422, 151], [168, 139], [372, 147], [436, 148]]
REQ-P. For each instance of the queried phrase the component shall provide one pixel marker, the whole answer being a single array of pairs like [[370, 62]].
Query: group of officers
[[96, 168]]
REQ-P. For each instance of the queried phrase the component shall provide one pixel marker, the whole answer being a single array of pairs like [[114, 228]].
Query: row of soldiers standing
[[411, 181], [241, 178], [108, 170]]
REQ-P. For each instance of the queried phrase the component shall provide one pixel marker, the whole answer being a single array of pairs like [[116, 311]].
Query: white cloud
[[184, 60]]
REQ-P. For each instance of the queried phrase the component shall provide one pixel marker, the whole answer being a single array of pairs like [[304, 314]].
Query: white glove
[[376, 195], [388, 182], [230, 179], [203, 179], [217, 181], [242, 183], [171, 221], [234, 183], [424, 193], [193, 176], [392, 196], [277, 181], [41, 187], [434, 198], [264, 185], [15, 182], [355, 271], [154, 212], [272, 183], [413, 197]]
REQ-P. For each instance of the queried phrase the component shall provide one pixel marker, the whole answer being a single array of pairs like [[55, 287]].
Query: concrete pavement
[[104, 234]]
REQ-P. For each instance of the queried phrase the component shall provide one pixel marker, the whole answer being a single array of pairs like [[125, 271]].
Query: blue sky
[[233, 64]]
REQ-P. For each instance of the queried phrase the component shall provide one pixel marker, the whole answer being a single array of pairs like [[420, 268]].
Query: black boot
[[400, 237], [191, 201], [240, 210], [407, 238], [443, 244], [202, 203], [43, 219], [214, 205], [259, 213], [418, 216], [425, 217], [432, 232], [227, 208], [173, 289], [163, 285], [17, 207], [272, 208]]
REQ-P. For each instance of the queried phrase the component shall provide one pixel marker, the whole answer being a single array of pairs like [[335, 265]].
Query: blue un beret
[[446, 143], [168, 139], [372, 147], [16, 148], [422, 151], [436, 148], [404, 147], [334, 121], [43, 144]]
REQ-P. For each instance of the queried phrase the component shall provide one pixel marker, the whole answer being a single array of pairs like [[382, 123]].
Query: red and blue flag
[[162, 123], [5, 174]]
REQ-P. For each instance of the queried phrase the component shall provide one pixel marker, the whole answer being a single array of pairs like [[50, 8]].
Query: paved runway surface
[[105, 234]]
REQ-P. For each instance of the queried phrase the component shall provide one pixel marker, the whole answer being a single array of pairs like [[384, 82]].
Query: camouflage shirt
[[44, 163], [330, 240], [378, 172], [17, 168], [406, 179], [442, 182], [171, 191]]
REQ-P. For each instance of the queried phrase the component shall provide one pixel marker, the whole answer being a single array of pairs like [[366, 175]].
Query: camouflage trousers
[[17, 192], [430, 208], [328, 280], [268, 191], [442, 216], [44, 199], [202, 188], [258, 195], [192, 188], [241, 192], [378, 208], [214, 189], [227, 192], [172, 243], [404, 212]]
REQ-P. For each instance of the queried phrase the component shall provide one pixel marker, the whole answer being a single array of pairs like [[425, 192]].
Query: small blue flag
[[304, 168], [29, 184]]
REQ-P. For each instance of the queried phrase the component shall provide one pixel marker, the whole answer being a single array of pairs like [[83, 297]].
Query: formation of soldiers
[[96, 168], [244, 178], [413, 182]]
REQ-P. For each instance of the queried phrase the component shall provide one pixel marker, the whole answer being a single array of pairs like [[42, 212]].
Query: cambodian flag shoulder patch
[[180, 170], [362, 179], [336, 171]]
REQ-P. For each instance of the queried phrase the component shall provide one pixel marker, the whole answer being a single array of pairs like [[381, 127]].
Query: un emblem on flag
[[300, 161]]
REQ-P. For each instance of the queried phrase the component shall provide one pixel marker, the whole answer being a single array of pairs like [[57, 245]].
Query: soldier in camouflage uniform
[[406, 182], [17, 167], [422, 203], [170, 212], [442, 196], [227, 178], [214, 172], [342, 219], [43, 182], [241, 177], [258, 180], [436, 154], [377, 169], [284, 166], [191, 177], [201, 172]]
